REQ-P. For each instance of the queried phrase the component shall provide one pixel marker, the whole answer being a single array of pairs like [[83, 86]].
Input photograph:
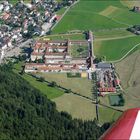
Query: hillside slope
[[26, 114]]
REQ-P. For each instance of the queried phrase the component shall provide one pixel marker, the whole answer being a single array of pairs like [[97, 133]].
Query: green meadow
[[97, 15], [115, 49], [50, 92]]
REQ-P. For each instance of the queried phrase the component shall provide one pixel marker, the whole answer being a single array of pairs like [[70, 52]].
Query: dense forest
[[26, 114]]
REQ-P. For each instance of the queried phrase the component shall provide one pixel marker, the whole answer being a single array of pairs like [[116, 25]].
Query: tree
[[80, 50], [53, 84], [41, 79], [68, 91], [25, 113]]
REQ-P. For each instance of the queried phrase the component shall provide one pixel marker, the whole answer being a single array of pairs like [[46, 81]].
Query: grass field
[[109, 10], [90, 10], [50, 92], [114, 99], [129, 73], [65, 36], [82, 86], [114, 14], [108, 115], [84, 109], [112, 34], [76, 106], [115, 49], [79, 51]]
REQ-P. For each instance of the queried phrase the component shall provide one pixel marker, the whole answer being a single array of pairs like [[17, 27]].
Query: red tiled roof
[[111, 89], [37, 53]]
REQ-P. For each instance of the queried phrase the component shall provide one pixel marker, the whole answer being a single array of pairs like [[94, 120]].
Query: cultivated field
[[84, 109], [82, 86], [129, 73]]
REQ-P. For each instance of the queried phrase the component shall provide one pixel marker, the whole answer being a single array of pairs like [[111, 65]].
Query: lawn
[[78, 51], [115, 49], [82, 86], [50, 92]]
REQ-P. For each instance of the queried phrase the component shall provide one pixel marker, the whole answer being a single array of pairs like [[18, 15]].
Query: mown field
[[50, 92], [64, 37], [112, 34], [129, 73], [84, 109], [82, 86], [98, 15], [116, 48]]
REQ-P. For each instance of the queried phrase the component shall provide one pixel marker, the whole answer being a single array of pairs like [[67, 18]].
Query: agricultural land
[[108, 21], [111, 39]]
